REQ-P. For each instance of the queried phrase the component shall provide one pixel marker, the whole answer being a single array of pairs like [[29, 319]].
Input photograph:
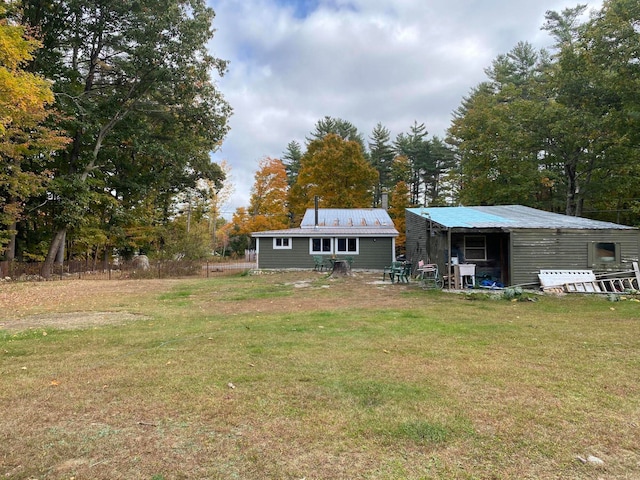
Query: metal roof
[[509, 217], [347, 217], [347, 222], [329, 232]]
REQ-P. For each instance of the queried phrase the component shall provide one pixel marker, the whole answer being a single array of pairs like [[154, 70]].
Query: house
[[364, 235], [510, 244]]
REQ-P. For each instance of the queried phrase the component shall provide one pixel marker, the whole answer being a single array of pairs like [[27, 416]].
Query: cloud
[[365, 61]]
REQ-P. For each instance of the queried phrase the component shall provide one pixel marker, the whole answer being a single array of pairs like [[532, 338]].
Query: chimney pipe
[[315, 203]]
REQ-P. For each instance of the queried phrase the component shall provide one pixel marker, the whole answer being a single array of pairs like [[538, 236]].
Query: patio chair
[[430, 276], [390, 270], [403, 272], [318, 263]]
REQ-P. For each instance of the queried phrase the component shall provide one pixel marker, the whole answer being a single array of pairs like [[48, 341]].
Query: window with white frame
[[347, 245], [320, 245], [282, 243], [475, 248]]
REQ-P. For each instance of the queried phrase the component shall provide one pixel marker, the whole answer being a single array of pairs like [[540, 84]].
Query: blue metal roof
[[509, 217]]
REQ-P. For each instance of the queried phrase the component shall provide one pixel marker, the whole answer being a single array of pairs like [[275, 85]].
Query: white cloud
[[365, 61]]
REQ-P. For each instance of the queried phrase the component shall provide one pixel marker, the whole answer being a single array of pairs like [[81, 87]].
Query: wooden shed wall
[[536, 249]]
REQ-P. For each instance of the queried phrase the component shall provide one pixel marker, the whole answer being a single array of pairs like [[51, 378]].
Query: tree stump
[[341, 267]]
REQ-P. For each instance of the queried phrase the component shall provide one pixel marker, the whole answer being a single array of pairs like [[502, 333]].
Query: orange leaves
[[337, 171]]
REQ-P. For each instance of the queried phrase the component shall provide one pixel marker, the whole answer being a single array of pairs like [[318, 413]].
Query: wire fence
[[118, 270]]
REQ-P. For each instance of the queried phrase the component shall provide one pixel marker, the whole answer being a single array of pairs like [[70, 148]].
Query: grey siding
[[416, 242], [533, 250], [375, 253], [425, 242], [525, 252]]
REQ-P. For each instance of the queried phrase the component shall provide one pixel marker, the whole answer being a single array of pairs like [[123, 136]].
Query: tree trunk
[[341, 267], [54, 248], [10, 252]]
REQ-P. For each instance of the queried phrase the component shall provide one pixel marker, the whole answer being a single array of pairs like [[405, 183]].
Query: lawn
[[303, 376]]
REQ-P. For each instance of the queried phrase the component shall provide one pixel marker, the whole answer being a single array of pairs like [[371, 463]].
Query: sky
[[394, 62]]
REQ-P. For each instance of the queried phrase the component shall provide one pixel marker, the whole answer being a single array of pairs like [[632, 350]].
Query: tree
[[439, 188], [25, 143], [397, 211], [415, 147], [291, 159], [337, 126], [612, 60], [520, 138], [218, 196], [268, 202], [134, 80], [381, 156], [335, 170]]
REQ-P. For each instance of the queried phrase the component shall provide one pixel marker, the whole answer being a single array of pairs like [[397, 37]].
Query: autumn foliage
[[24, 101]]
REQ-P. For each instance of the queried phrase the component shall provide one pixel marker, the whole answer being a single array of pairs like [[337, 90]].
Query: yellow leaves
[[22, 93], [15, 49], [336, 170]]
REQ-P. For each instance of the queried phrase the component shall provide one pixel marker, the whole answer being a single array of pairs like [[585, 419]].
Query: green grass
[[251, 377]]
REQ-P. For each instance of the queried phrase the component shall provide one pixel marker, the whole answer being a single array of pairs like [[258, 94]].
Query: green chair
[[402, 273], [318, 263], [391, 270]]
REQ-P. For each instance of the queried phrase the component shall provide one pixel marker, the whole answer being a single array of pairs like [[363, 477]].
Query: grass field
[[302, 376]]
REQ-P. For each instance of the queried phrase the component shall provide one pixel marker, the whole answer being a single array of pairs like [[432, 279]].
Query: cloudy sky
[[293, 62]]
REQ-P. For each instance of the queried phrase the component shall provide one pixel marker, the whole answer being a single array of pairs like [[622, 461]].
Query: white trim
[[287, 240], [347, 251], [321, 252]]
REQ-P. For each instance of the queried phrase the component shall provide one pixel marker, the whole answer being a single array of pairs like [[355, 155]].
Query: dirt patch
[[70, 321]]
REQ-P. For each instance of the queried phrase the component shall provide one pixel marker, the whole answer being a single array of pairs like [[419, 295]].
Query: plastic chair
[[391, 270], [430, 276], [318, 263]]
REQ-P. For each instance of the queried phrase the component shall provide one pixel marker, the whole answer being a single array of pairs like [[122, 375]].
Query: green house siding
[[295, 257], [374, 253]]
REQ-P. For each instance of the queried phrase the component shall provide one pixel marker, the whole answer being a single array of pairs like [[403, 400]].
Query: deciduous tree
[[134, 79], [335, 170], [26, 144], [268, 202]]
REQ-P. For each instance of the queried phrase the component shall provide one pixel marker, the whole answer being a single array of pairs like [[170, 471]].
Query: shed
[[366, 236], [510, 244]]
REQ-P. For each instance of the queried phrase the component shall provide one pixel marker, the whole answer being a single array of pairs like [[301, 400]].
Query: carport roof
[[509, 217]]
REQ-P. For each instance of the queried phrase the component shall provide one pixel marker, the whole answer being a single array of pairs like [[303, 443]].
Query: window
[[347, 245], [283, 243], [320, 245], [604, 254], [475, 248]]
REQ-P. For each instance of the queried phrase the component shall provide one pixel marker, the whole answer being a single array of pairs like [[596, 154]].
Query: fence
[[32, 271]]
